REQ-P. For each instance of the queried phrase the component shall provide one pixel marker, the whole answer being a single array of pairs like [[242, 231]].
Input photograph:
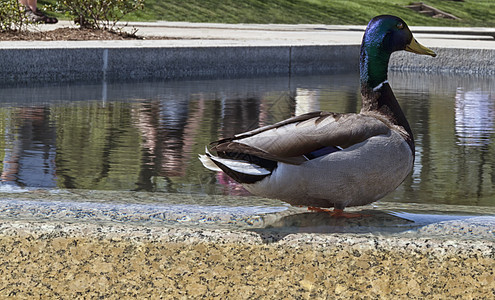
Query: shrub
[[12, 17], [100, 14]]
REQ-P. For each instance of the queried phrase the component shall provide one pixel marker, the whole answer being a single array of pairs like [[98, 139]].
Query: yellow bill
[[417, 48]]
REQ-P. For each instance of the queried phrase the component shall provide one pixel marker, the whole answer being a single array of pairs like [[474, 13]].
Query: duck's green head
[[385, 34]]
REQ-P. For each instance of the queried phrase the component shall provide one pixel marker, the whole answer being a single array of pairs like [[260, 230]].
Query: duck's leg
[[337, 212], [319, 209]]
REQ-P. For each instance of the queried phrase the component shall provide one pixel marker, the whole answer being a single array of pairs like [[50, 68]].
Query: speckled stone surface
[[73, 260], [63, 245]]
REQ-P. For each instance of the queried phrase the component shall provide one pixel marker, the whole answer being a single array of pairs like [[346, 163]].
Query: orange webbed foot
[[337, 213]]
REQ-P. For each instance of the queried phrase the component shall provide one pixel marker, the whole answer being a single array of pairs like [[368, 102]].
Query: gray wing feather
[[305, 133]]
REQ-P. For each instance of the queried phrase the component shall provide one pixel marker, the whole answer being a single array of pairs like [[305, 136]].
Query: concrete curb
[[201, 50], [71, 64], [125, 63], [448, 60]]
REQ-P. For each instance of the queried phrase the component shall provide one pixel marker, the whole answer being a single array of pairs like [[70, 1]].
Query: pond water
[[146, 136]]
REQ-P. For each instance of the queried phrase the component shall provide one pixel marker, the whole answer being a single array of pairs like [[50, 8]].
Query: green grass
[[472, 12]]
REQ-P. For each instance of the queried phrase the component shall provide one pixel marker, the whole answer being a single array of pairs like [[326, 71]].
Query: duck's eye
[[400, 25]]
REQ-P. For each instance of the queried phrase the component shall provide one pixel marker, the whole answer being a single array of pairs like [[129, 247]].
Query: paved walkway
[[299, 34]]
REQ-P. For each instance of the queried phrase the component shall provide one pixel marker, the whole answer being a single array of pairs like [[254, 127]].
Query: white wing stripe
[[241, 166]]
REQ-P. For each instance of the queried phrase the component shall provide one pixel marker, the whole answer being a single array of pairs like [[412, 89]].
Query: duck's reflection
[[373, 221]]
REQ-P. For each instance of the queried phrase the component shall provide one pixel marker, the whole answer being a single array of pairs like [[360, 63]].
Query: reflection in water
[[474, 117], [28, 145], [446, 170], [306, 101], [146, 136], [375, 221]]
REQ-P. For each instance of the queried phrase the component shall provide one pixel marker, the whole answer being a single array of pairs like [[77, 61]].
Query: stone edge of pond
[[102, 61], [95, 260]]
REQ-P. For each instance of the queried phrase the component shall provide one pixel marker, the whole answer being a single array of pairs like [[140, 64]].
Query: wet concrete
[[244, 213]]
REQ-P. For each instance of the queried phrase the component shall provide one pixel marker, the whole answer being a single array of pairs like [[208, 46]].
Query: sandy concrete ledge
[[61, 260]]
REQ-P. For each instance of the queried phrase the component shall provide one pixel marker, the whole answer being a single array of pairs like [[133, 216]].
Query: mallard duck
[[324, 159]]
